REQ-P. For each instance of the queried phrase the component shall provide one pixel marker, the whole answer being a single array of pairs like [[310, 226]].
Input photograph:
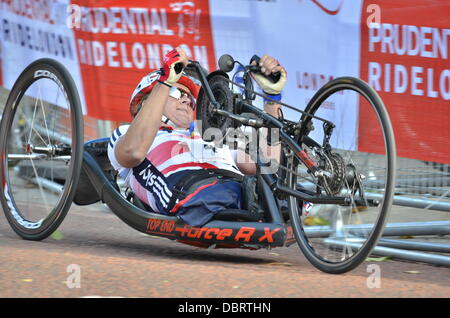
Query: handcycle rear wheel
[[41, 140], [359, 159]]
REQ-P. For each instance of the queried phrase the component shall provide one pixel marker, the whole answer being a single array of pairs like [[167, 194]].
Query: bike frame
[[217, 233], [267, 121], [273, 180]]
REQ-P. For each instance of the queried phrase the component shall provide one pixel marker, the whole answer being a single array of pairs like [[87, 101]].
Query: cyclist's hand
[[174, 63], [270, 65]]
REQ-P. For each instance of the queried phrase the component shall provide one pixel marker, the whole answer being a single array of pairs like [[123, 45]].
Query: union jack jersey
[[173, 154]]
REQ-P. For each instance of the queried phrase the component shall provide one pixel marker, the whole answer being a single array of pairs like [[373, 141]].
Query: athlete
[[164, 160]]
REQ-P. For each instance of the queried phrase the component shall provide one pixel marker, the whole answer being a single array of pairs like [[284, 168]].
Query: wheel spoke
[[41, 189], [43, 113], [54, 115], [32, 121], [38, 134]]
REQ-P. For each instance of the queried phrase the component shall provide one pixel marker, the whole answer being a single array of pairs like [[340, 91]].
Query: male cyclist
[[165, 161]]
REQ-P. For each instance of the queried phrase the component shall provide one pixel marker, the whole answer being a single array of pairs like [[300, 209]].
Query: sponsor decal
[[17, 216], [154, 181], [243, 235], [48, 74], [161, 227]]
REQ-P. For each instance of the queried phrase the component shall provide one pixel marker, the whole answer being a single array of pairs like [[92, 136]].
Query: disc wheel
[[224, 98], [353, 145], [41, 142]]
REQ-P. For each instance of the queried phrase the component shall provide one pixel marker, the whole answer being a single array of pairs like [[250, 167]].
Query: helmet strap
[[167, 121]]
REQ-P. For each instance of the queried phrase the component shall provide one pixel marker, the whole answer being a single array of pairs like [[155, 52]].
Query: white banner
[[33, 30], [315, 41]]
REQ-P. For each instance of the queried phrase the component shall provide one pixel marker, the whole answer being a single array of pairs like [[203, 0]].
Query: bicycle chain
[[334, 163]]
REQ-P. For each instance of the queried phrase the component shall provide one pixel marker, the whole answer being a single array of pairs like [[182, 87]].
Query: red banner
[[118, 42], [405, 57]]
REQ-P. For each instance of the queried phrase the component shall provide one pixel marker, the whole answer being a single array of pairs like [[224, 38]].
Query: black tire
[[49, 74], [325, 252]]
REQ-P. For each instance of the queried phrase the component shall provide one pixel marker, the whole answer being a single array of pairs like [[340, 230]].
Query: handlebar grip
[[273, 77]]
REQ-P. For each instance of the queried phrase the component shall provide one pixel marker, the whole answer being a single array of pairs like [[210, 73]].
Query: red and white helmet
[[147, 83]]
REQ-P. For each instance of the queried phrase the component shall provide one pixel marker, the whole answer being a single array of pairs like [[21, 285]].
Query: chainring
[[335, 165]]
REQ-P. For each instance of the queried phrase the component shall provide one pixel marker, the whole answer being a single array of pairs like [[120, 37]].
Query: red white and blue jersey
[[173, 154]]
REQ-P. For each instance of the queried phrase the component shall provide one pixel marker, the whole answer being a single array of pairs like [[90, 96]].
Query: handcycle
[[46, 165]]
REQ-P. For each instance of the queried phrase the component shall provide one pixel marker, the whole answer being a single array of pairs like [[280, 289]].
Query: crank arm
[[314, 198], [367, 202], [306, 195]]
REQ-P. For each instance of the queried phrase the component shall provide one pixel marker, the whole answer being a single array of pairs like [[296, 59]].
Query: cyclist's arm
[[244, 161], [274, 150], [132, 148], [269, 65]]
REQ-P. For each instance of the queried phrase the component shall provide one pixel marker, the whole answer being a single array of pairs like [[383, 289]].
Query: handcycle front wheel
[[41, 140], [352, 141]]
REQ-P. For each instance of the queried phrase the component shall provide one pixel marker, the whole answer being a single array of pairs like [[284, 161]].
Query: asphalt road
[[98, 255]]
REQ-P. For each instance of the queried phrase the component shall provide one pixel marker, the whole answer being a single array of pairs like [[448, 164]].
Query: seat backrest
[[86, 193]]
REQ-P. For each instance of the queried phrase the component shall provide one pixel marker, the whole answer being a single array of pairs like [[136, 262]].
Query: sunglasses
[[178, 94]]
